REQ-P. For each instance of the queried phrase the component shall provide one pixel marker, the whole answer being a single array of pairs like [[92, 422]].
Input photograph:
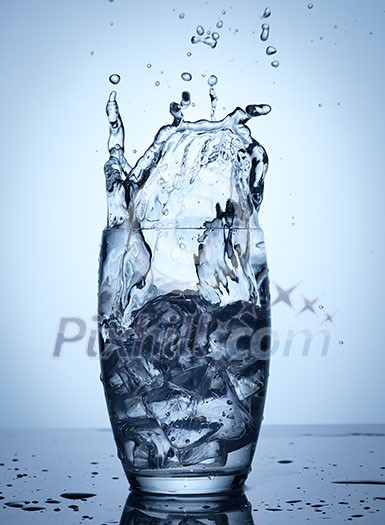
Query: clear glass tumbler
[[184, 305]]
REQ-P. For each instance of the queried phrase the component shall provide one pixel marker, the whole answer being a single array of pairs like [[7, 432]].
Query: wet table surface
[[300, 475]]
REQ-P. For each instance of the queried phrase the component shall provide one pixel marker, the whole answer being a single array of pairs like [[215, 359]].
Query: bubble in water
[[220, 24], [114, 79], [181, 15], [215, 36], [267, 12], [186, 76], [270, 50], [275, 63], [310, 6], [265, 32], [200, 30], [157, 83], [212, 80]]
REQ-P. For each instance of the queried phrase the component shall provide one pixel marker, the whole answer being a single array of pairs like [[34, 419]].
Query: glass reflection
[[150, 509]]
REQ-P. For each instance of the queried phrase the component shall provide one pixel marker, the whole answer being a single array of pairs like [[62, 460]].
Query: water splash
[[265, 32]]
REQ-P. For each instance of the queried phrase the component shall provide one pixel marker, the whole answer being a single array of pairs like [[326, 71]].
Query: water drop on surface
[[200, 31], [212, 80], [114, 79], [267, 12], [265, 32], [270, 50], [275, 63], [220, 24], [186, 76]]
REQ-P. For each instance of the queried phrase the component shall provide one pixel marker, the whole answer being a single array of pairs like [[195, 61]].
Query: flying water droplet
[[215, 36], [340, 342], [114, 79], [212, 80], [267, 12], [181, 15], [188, 54], [270, 50], [186, 76], [265, 32], [157, 83], [224, 12], [275, 63], [200, 30], [149, 65], [92, 53], [220, 24], [310, 6]]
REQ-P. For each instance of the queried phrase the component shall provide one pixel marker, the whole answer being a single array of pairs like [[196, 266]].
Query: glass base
[[208, 484]]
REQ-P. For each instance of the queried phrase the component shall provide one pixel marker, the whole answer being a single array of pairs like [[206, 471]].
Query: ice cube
[[210, 453], [152, 447], [139, 375], [246, 386], [167, 405], [190, 431]]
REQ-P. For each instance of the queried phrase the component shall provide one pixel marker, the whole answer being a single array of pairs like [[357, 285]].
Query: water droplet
[[267, 12], [275, 63], [310, 6], [224, 12], [321, 307], [265, 32], [220, 24], [320, 105], [215, 36], [188, 54], [181, 15], [270, 50], [340, 342], [157, 83], [111, 23], [182, 246], [149, 65], [134, 151], [92, 53], [212, 80], [200, 30], [186, 76], [114, 79]]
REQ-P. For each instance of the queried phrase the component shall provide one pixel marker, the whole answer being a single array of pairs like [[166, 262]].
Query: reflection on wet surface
[[300, 475]]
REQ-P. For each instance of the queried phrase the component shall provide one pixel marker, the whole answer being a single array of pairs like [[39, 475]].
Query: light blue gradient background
[[326, 170]]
